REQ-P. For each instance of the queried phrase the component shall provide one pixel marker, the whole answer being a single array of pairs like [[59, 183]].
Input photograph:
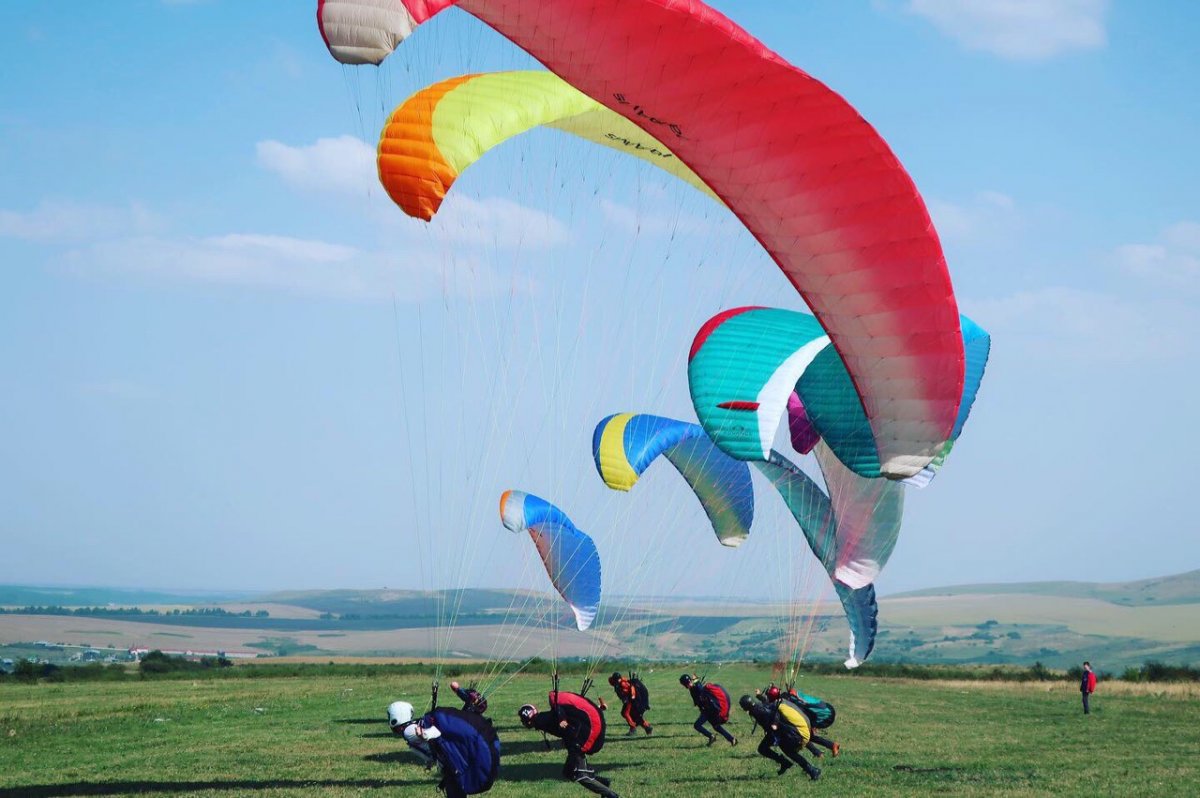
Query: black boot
[[592, 784]]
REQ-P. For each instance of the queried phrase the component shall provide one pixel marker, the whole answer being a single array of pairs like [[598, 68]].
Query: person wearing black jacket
[[473, 700], [568, 725], [711, 712], [1087, 686], [773, 694], [778, 733]]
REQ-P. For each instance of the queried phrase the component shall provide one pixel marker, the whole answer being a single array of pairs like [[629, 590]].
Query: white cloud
[[294, 265], [1184, 234], [1173, 261], [54, 220], [283, 247], [1134, 320], [346, 165], [1022, 30], [495, 222], [343, 165], [1057, 323], [982, 218], [651, 223]]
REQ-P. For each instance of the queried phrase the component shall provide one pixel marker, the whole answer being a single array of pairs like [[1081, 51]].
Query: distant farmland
[[1058, 624]]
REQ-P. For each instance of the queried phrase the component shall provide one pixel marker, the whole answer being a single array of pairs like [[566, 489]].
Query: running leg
[[720, 729]]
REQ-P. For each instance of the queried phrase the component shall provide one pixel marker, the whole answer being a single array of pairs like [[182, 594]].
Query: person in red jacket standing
[[633, 703], [1087, 686]]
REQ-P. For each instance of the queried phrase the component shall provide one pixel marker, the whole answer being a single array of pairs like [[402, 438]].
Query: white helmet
[[400, 714]]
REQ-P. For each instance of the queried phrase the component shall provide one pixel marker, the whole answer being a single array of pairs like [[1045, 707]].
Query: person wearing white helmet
[[400, 718], [465, 745]]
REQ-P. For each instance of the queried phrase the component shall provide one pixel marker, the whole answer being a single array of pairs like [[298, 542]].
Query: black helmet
[[526, 713], [615, 678], [747, 702], [686, 680]]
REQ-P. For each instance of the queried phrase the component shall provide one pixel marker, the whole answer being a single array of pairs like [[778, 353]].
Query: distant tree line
[[109, 612], [1037, 672], [156, 665], [1153, 671], [393, 616], [153, 664]]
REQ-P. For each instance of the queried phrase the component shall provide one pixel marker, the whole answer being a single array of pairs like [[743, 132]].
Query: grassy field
[[326, 736]]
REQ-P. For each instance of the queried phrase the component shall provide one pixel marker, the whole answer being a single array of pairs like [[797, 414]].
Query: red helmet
[[773, 693]]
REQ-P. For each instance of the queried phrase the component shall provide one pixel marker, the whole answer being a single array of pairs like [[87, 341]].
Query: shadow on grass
[[528, 746], [403, 753], [517, 747], [715, 782], [642, 738], [557, 754], [403, 757], [552, 771], [178, 787]]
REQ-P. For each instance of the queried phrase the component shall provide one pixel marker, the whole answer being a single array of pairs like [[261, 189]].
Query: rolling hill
[[1176, 589], [1056, 623]]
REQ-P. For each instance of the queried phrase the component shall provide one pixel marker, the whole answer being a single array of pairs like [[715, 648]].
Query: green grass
[[326, 736], [284, 645]]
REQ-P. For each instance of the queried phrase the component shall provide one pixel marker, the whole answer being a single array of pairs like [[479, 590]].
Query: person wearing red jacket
[[633, 704], [1087, 686]]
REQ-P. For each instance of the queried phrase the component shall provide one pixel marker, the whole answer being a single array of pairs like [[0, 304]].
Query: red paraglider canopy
[[807, 175]]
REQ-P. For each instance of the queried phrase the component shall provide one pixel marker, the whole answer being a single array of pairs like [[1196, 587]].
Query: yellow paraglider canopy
[[441, 130]]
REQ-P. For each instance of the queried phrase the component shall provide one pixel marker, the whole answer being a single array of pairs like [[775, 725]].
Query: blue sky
[[227, 361]]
